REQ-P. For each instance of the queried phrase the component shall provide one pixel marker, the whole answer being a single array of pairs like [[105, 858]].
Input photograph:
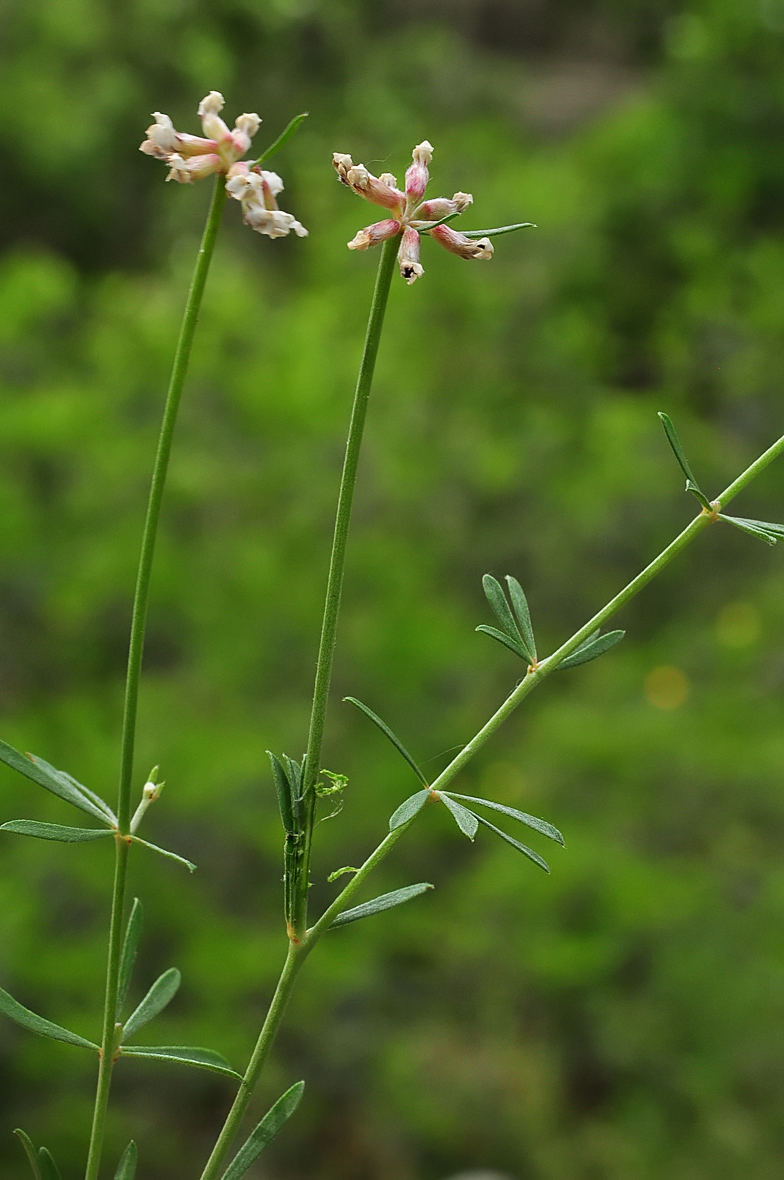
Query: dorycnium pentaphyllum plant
[[301, 785]]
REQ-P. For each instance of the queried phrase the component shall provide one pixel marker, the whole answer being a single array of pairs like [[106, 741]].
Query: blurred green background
[[624, 1016]]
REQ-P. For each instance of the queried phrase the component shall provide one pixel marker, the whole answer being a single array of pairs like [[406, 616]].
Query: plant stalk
[[337, 564], [536, 675], [135, 654]]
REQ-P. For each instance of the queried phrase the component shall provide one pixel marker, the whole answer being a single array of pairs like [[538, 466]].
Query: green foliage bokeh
[[624, 1016]]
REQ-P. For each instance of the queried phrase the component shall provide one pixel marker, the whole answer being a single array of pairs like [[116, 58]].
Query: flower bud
[[417, 175], [161, 137], [245, 127], [372, 188], [373, 234], [457, 243], [440, 207], [195, 168], [408, 256]]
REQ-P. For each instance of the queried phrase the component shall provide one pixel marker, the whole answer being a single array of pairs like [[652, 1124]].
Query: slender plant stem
[[135, 653], [106, 1063], [294, 960], [536, 675], [337, 564], [142, 595]]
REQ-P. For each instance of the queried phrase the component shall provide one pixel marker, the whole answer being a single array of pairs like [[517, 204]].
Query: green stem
[[142, 595], [294, 960], [135, 653], [337, 564], [536, 675], [106, 1064]]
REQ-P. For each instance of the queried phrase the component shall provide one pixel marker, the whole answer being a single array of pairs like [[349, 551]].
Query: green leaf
[[160, 994], [408, 809], [497, 599], [190, 866], [267, 1129], [539, 825], [769, 533], [284, 136], [591, 649], [767, 526], [64, 833], [512, 644], [526, 851], [396, 742], [520, 605], [37, 1024], [27, 1144], [501, 229], [465, 819], [674, 441], [57, 782], [695, 491], [386, 901], [283, 790], [202, 1058], [130, 943], [49, 1169], [126, 1169]]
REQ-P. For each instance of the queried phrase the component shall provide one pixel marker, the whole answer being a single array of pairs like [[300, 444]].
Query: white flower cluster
[[191, 157], [409, 214]]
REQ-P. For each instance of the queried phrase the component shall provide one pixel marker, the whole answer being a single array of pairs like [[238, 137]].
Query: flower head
[[409, 215], [220, 150]]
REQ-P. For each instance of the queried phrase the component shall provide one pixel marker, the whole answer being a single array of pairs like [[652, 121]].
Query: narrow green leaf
[[62, 832], [267, 1129], [386, 901], [56, 781], [767, 526], [695, 491], [45, 1028], [513, 644], [520, 605], [284, 136], [190, 866], [500, 229], [130, 943], [465, 819], [49, 1169], [677, 449], [203, 1058], [126, 1169], [283, 791], [396, 742], [68, 781], [408, 809], [746, 526], [497, 599], [294, 775], [591, 650], [30, 1152], [160, 994], [763, 529], [526, 851], [539, 825]]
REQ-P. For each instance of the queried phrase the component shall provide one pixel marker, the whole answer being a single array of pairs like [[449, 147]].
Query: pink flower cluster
[[191, 157], [409, 214]]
